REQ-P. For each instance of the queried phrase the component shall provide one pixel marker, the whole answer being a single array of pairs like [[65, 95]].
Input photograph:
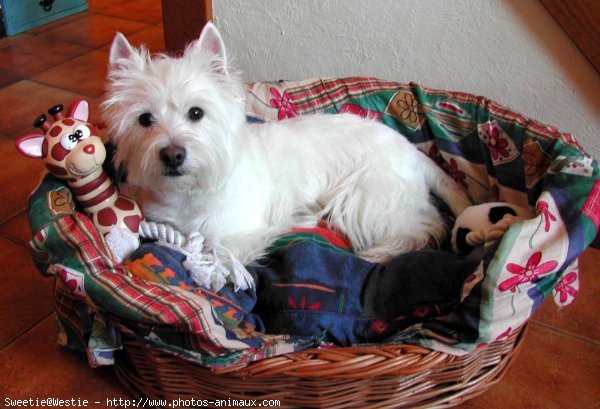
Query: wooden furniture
[[580, 19], [20, 16], [183, 21]]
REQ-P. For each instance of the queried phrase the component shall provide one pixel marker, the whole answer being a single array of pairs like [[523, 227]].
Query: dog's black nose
[[172, 156]]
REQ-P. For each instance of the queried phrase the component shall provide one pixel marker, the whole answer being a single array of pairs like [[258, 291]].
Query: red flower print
[[542, 207], [379, 326], [283, 103], [457, 175], [497, 144], [292, 303], [564, 289], [531, 272], [434, 153]]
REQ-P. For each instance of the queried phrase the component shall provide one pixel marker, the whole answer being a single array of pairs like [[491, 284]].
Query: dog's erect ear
[[120, 50], [211, 43]]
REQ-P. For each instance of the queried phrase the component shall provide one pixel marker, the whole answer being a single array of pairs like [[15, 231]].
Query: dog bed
[[171, 339]]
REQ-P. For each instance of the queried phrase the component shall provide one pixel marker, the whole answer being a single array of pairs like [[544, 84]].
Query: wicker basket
[[372, 377]]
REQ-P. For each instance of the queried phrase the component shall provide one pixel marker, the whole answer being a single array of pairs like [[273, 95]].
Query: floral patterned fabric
[[494, 153], [497, 155]]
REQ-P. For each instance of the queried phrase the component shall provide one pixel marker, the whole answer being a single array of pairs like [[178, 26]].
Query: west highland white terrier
[[180, 131]]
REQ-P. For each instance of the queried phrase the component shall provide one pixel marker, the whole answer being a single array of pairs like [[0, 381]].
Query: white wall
[[511, 51]]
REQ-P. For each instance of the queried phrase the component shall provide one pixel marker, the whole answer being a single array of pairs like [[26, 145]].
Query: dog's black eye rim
[[146, 119], [195, 114]]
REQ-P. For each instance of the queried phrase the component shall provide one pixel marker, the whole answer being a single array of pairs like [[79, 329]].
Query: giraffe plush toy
[[72, 151]]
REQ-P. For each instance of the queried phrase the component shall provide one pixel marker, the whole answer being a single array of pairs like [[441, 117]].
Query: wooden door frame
[[183, 21]]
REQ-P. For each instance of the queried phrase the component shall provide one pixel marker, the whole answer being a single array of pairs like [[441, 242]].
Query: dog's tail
[[444, 187]]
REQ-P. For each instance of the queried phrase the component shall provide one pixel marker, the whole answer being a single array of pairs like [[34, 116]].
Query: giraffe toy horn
[[42, 123], [56, 112]]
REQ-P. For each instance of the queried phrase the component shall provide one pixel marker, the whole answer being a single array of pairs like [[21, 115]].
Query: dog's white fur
[[244, 184]]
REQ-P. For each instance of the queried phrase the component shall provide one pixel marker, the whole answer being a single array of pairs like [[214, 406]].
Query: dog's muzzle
[[172, 157]]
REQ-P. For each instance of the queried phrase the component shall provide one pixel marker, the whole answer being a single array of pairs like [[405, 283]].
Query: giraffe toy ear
[[80, 110], [30, 145]]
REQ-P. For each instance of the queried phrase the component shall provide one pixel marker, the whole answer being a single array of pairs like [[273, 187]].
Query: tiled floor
[[558, 368]]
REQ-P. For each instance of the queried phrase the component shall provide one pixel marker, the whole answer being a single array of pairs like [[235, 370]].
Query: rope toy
[[478, 227], [209, 264]]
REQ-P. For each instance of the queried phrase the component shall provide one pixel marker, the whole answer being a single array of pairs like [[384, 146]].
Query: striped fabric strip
[[67, 309], [138, 299], [535, 128], [322, 94]]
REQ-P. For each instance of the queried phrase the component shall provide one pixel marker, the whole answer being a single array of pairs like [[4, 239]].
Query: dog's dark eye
[[146, 119], [195, 114]]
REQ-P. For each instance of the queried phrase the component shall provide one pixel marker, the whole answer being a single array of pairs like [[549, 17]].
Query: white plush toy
[[479, 226]]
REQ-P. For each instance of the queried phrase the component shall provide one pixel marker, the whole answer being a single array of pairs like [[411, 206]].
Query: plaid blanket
[[495, 153]]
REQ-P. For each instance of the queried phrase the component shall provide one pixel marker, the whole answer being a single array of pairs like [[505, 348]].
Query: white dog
[[180, 130]]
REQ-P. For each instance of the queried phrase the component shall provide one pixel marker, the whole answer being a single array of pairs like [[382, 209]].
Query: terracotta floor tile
[[95, 30], [26, 295], [96, 117], [96, 6], [85, 74], [145, 11], [34, 54], [61, 373], [28, 99], [8, 77], [20, 176], [577, 317], [95, 111], [12, 40], [552, 371], [17, 229], [57, 23], [152, 38]]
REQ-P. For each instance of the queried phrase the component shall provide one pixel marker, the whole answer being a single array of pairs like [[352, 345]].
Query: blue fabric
[[312, 289]]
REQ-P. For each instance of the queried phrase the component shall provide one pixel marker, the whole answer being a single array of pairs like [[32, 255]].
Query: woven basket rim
[[347, 362], [339, 377]]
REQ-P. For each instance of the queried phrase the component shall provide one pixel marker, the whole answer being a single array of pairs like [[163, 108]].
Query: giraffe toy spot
[[124, 204], [133, 223], [68, 122], [107, 217], [55, 131], [58, 152]]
